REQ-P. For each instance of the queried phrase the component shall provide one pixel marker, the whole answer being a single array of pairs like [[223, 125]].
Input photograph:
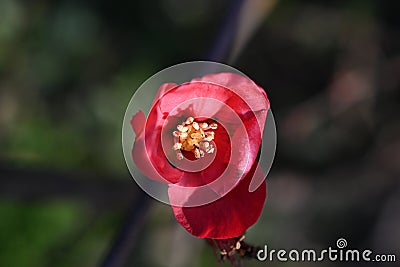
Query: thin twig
[[222, 45], [233, 250], [123, 245]]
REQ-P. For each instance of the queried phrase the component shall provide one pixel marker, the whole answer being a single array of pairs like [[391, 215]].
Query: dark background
[[69, 68]]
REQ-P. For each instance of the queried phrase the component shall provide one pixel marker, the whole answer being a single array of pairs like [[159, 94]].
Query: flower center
[[194, 137]]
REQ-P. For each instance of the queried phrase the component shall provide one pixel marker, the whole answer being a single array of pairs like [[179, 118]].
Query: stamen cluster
[[195, 137]]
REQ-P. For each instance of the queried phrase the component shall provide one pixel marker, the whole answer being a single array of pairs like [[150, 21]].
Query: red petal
[[140, 155], [200, 93], [245, 88], [163, 89], [137, 122], [227, 217]]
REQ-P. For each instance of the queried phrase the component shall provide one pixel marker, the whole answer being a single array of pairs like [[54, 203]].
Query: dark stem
[[222, 45], [123, 245], [233, 250]]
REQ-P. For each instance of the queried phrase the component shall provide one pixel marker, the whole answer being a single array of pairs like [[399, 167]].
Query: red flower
[[202, 139]]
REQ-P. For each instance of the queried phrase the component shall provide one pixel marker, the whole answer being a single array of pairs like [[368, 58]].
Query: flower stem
[[233, 249]]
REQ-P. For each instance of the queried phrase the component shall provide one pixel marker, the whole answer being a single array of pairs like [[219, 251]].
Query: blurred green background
[[69, 68]]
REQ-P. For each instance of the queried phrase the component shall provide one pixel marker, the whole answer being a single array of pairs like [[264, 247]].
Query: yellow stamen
[[213, 126], [189, 120], [182, 128], [179, 155], [183, 135], [177, 146], [193, 136]]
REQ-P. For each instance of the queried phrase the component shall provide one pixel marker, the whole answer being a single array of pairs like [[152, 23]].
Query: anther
[[182, 128], [179, 155], [183, 135], [205, 145], [213, 126], [197, 153], [189, 120], [177, 146]]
